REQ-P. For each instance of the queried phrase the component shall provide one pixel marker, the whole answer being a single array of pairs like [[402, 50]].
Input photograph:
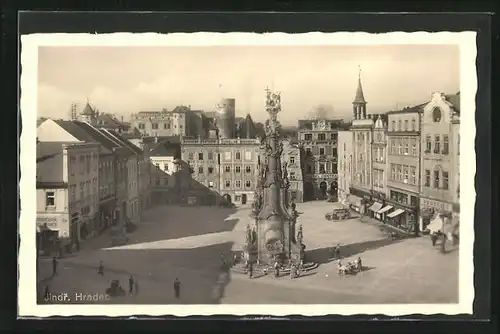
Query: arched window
[[436, 114]]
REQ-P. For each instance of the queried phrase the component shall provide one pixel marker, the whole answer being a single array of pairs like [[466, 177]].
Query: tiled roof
[[454, 100], [108, 121], [165, 150], [414, 109], [98, 136], [127, 143], [49, 166]]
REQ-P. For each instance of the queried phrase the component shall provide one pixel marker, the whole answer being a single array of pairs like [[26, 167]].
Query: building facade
[[379, 166], [440, 172], [292, 156], [361, 178], [67, 194], [163, 159], [318, 140], [181, 121], [345, 164], [403, 185], [221, 167]]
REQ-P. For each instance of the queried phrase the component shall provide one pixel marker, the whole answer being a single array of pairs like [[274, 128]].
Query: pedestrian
[[100, 271], [130, 285], [177, 288], [250, 271], [337, 251], [54, 266], [276, 269], [433, 239], [360, 265]]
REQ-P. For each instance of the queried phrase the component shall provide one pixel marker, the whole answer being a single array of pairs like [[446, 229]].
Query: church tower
[[359, 103]]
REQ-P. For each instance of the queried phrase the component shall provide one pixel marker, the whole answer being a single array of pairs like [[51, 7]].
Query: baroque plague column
[[273, 236]]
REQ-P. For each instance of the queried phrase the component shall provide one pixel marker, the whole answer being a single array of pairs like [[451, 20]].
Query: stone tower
[[359, 103], [273, 235]]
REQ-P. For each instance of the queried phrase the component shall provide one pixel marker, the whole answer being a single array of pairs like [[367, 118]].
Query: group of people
[[350, 267]]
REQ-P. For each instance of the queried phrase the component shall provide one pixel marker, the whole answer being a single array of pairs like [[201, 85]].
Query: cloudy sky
[[123, 80]]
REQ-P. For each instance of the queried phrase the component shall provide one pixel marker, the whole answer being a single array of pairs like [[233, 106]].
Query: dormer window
[[436, 115]]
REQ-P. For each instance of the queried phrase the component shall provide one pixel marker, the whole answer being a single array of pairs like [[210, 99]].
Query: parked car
[[339, 214]]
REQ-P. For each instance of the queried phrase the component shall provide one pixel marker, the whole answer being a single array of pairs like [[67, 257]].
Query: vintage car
[[339, 214]]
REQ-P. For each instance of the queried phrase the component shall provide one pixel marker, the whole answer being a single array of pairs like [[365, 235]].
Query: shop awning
[[375, 207], [395, 213], [385, 209], [355, 200]]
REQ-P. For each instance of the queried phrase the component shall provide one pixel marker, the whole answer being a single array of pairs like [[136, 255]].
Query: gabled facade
[[440, 173]]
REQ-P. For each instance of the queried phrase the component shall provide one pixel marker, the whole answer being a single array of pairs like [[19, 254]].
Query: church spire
[[359, 103]]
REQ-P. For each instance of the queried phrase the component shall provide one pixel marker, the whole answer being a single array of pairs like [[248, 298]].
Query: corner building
[[440, 188]]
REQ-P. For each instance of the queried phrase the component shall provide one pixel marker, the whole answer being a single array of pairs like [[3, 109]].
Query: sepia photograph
[[270, 170]]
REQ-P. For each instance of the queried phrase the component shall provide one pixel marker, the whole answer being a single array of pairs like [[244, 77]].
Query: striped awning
[[395, 213], [385, 209], [375, 207]]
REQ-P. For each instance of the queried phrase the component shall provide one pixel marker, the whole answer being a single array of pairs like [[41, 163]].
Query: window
[[436, 115], [210, 170], [210, 156], [227, 168], [142, 126], [165, 181], [165, 166], [227, 155], [446, 144], [308, 151], [436, 179], [248, 155], [414, 147], [292, 160], [211, 184], [400, 146], [82, 164], [82, 190], [445, 180], [72, 163], [413, 125], [393, 127], [248, 184], [407, 144], [406, 125], [393, 146], [237, 169], [309, 169], [154, 126], [200, 170], [322, 168], [248, 169], [413, 201], [400, 173], [428, 144], [427, 178], [321, 136], [413, 175], [237, 184], [333, 136], [308, 136], [200, 156], [399, 125], [165, 125], [405, 172], [50, 198], [437, 144], [238, 156], [190, 156], [227, 183], [292, 176], [321, 151]]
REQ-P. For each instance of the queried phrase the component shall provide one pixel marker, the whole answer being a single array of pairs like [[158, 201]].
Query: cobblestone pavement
[[187, 242]]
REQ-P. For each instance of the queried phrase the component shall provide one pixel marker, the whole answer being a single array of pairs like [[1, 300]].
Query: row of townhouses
[[403, 167], [88, 178]]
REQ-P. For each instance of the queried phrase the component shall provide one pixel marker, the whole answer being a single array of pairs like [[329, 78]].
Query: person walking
[[250, 271], [100, 271], [130, 285], [54, 266], [276, 269], [177, 288], [433, 239], [360, 265], [337, 251]]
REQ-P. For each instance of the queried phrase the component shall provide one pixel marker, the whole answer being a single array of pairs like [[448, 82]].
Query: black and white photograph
[[211, 173]]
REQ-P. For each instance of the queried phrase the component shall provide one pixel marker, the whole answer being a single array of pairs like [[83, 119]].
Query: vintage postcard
[[240, 173]]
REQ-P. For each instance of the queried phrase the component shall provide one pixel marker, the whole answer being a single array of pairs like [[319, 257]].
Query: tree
[[322, 111]]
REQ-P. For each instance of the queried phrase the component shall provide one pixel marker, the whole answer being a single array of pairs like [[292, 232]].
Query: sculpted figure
[[300, 235]]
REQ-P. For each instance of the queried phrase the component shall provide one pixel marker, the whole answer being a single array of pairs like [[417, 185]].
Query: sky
[[125, 80]]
